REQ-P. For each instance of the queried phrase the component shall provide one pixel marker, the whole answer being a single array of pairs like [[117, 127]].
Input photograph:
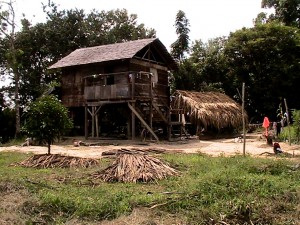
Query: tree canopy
[[26, 54], [286, 11], [181, 45], [266, 58], [47, 120]]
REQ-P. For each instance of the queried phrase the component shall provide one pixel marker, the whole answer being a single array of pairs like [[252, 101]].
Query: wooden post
[[151, 103], [97, 125], [85, 122], [93, 121], [181, 124], [133, 105], [133, 86], [288, 120], [169, 124], [133, 122], [243, 115]]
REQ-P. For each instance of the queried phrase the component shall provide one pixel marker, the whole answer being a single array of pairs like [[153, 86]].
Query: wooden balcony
[[119, 87]]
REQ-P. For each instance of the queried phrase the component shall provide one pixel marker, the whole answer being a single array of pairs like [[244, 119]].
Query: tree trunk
[[17, 104]]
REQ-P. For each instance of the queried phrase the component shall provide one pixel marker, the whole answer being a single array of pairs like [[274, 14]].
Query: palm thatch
[[209, 109], [57, 161], [133, 166]]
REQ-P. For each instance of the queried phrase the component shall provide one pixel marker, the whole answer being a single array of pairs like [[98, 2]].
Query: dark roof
[[110, 52]]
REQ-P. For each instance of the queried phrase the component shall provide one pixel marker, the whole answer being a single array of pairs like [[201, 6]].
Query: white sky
[[208, 18]]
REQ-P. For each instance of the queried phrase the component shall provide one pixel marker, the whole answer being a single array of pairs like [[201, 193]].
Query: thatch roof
[[111, 52], [209, 109]]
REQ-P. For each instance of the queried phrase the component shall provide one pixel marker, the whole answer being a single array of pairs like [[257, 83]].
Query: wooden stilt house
[[118, 88]]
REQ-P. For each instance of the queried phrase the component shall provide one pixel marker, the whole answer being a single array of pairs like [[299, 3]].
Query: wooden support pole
[[86, 122], [143, 121], [244, 123], [133, 86], [93, 121], [97, 125], [180, 120], [288, 120], [151, 103], [133, 122]]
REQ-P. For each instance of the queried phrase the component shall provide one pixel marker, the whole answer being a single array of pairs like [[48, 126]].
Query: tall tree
[[181, 45], [286, 11], [11, 53], [208, 58], [266, 58]]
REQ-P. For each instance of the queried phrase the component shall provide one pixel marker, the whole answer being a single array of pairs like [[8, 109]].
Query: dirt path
[[254, 146]]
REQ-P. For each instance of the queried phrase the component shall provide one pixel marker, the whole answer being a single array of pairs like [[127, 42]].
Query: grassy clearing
[[235, 190]]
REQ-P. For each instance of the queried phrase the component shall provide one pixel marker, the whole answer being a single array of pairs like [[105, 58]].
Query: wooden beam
[[86, 122], [93, 121], [151, 105], [143, 121], [133, 122], [160, 113], [107, 102], [138, 61]]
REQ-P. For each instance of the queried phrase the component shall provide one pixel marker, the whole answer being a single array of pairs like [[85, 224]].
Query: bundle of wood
[[57, 161], [134, 166]]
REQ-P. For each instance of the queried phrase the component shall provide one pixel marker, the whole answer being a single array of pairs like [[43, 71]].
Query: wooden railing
[[125, 89]]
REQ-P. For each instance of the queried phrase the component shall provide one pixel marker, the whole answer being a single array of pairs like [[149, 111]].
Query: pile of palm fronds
[[57, 161], [134, 166], [114, 152]]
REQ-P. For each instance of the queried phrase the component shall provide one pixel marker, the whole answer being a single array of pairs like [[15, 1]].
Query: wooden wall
[[73, 82]]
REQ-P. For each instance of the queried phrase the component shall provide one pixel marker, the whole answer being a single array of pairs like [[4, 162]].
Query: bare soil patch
[[255, 146]]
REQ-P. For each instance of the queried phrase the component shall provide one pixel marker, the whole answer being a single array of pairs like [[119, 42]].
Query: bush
[[47, 120]]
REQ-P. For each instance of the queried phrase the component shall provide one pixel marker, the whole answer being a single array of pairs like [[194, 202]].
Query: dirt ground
[[255, 145]]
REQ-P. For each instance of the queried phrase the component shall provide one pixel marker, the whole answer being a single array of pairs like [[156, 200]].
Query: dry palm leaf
[[134, 166], [57, 161]]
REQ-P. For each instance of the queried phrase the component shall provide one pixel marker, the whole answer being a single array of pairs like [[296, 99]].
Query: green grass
[[236, 190]]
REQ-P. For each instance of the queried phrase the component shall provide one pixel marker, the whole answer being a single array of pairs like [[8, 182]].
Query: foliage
[[234, 190], [266, 58], [42, 44], [7, 121], [181, 45], [46, 120], [10, 54], [296, 124], [286, 11], [292, 131], [205, 68]]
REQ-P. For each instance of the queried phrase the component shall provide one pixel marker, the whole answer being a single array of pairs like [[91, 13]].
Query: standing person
[[278, 128], [266, 124]]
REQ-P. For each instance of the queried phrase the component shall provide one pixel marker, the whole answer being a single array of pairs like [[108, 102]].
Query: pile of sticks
[[134, 166], [57, 161], [114, 152]]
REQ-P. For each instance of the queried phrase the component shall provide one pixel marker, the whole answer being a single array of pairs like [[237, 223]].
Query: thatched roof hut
[[209, 109]]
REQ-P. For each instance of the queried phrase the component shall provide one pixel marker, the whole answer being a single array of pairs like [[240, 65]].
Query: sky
[[208, 18]]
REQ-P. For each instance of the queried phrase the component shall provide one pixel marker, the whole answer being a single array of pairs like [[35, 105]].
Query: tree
[[46, 120], [63, 32], [11, 53], [208, 58], [181, 45], [286, 11], [266, 58], [38, 46]]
